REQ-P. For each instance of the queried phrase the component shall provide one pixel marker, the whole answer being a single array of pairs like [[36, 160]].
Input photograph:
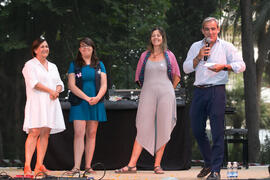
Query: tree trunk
[[263, 48], [250, 82]]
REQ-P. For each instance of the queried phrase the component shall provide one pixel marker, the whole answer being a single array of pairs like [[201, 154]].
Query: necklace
[[156, 55]]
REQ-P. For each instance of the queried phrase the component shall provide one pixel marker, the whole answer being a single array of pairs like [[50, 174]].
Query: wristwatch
[[225, 68]]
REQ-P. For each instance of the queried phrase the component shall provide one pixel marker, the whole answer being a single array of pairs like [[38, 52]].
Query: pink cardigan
[[174, 64]]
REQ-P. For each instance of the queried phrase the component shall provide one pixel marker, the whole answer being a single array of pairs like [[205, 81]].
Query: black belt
[[204, 86], [208, 85]]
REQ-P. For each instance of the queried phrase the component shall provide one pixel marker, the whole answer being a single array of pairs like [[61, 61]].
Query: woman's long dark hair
[[36, 43], [164, 45], [94, 59]]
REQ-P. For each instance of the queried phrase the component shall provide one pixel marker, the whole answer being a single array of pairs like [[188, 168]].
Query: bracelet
[[197, 59]]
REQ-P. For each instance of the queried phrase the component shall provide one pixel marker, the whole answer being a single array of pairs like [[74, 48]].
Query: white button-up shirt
[[222, 52]]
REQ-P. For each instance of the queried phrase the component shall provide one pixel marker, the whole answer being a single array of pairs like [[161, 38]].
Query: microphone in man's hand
[[207, 43]]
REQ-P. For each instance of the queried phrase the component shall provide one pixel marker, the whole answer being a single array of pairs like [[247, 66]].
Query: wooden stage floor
[[254, 172]]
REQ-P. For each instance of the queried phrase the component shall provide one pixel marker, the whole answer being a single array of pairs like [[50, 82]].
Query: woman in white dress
[[43, 114]]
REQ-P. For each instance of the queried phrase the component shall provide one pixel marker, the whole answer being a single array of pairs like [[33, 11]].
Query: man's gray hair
[[210, 19]]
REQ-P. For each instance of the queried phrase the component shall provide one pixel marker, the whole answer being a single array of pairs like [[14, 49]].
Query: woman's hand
[[93, 100], [176, 80], [53, 95]]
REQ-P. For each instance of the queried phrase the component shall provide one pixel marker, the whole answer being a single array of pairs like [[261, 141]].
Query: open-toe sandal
[[43, 169], [89, 171], [158, 170], [73, 172], [27, 171], [126, 170], [38, 172]]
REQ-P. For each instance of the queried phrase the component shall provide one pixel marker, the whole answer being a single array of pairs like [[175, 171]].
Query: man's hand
[[204, 51], [217, 67]]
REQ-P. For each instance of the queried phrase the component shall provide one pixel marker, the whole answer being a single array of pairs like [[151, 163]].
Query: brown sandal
[[158, 170], [129, 170], [89, 171], [73, 172]]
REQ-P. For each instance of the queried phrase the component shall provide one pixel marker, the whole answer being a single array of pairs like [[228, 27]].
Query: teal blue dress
[[85, 111]]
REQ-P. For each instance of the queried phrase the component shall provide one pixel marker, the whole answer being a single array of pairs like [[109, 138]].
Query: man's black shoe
[[204, 172], [214, 176]]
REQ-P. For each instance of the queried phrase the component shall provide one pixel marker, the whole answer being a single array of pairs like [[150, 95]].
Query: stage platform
[[254, 172]]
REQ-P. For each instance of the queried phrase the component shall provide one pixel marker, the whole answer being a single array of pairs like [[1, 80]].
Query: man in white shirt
[[211, 59]]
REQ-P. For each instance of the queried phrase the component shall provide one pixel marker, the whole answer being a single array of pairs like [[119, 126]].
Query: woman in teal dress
[[86, 115]]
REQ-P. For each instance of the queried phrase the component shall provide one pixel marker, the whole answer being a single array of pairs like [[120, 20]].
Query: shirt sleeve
[[234, 58], [188, 63], [102, 67], [71, 68], [30, 75]]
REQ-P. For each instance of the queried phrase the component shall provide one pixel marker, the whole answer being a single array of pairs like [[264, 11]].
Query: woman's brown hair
[[94, 59], [164, 45], [36, 43]]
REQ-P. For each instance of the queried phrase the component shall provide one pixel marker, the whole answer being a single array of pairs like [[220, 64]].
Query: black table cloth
[[115, 140]]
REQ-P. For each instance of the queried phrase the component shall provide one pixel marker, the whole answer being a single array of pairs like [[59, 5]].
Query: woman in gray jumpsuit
[[158, 74]]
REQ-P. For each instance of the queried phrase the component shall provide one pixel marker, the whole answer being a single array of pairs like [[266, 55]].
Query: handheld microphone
[[207, 42]]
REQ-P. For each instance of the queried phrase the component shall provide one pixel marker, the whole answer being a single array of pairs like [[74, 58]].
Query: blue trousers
[[209, 102]]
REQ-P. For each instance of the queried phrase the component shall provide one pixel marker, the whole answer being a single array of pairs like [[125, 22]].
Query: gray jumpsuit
[[156, 115]]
